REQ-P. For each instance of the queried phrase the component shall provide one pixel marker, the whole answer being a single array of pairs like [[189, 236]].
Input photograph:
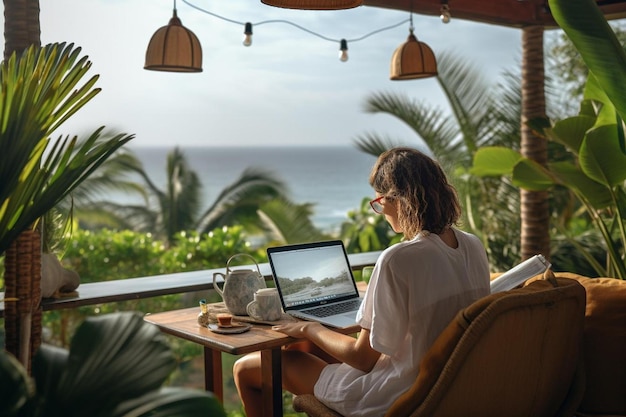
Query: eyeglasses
[[378, 205]]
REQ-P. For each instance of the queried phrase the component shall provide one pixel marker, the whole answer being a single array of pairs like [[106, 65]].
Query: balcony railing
[[95, 293]]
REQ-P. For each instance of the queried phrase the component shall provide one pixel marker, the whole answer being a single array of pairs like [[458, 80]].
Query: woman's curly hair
[[428, 202]]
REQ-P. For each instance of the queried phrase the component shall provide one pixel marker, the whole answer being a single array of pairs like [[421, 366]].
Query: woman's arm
[[356, 352]]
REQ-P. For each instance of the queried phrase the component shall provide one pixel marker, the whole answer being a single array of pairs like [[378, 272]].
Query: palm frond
[[99, 214], [436, 131], [286, 222], [466, 89], [40, 91], [180, 203], [507, 114], [373, 144], [242, 198]]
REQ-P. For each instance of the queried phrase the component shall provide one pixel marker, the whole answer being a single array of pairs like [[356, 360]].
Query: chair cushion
[[604, 345], [309, 404], [467, 329]]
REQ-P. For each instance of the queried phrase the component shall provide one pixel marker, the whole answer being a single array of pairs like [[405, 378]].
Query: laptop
[[315, 282]]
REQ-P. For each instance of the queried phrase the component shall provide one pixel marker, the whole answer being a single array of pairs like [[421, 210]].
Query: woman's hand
[[297, 330], [356, 352]]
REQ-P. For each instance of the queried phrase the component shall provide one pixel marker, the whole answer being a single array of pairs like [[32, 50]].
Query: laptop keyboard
[[332, 309]]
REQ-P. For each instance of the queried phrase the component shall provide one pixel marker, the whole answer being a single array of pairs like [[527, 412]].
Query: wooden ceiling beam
[[511, 13]]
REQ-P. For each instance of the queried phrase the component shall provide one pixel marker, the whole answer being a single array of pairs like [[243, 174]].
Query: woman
[[417, 287]]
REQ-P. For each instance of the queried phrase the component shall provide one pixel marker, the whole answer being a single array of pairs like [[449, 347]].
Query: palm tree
[[179, 204], [83, 203], [479, 118], [286, 222], [256, 200], [21, 25], [534, 205]]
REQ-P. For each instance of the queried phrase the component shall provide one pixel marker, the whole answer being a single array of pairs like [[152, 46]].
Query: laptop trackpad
[[344, 320]]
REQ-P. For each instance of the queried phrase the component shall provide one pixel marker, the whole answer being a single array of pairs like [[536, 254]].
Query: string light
[[247, 32], [445, 12], [343, 49]]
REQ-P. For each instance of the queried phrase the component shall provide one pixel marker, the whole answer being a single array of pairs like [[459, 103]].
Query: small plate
[[234, 329]]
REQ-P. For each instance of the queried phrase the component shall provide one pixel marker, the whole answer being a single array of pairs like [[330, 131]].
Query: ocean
[[333, 178]]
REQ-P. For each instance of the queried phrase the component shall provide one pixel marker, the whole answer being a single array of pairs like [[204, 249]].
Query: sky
[[288, 88]]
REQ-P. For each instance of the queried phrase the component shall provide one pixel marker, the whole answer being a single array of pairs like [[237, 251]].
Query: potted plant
[[41, 89]]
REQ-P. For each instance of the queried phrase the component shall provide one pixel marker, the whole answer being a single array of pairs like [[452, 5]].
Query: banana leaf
[[116, 366], [587, 28], [14, 385]]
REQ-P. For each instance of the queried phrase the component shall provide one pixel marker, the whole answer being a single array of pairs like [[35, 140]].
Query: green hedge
[[109, 255]]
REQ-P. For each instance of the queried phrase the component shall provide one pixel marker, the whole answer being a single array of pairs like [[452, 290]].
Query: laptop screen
[[312, 273]]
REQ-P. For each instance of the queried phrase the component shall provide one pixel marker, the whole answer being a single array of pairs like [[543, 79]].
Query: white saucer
[[234, 329]]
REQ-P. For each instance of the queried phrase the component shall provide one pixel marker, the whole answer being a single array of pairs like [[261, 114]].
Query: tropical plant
[[586, 26], [479, 117], [286, 222], [563, 54], [40, 91], [112, 176], [595, 137], [257, 200], [116, 366], [366, 231], [598, 187]]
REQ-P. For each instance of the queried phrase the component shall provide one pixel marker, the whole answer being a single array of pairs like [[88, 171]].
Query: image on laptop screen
[[311, 275]]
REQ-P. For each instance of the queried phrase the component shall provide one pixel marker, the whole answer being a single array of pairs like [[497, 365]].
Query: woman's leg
[[300, 371], [308, 346]]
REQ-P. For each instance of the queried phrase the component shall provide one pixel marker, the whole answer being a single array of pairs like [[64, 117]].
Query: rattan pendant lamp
[[174, 48], [413, 59], [314, 4]]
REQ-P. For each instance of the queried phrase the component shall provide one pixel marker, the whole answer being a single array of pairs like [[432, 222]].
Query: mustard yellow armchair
[[511, 354]]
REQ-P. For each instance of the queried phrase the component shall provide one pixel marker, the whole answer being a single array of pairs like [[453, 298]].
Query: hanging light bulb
[[247, 38], [343, 50], [445, 13]]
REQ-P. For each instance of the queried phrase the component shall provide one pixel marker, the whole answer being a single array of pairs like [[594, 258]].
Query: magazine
[[520, 273]]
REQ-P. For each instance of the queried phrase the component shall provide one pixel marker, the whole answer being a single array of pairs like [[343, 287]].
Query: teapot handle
[[215, 286], [249, 256]]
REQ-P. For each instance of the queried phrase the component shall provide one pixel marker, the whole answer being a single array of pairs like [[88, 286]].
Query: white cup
[[265, 306]]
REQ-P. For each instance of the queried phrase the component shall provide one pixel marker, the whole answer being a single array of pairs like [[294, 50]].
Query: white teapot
[[239, 286]]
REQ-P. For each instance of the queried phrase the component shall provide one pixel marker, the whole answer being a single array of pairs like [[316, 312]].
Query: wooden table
[[184, 324]]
